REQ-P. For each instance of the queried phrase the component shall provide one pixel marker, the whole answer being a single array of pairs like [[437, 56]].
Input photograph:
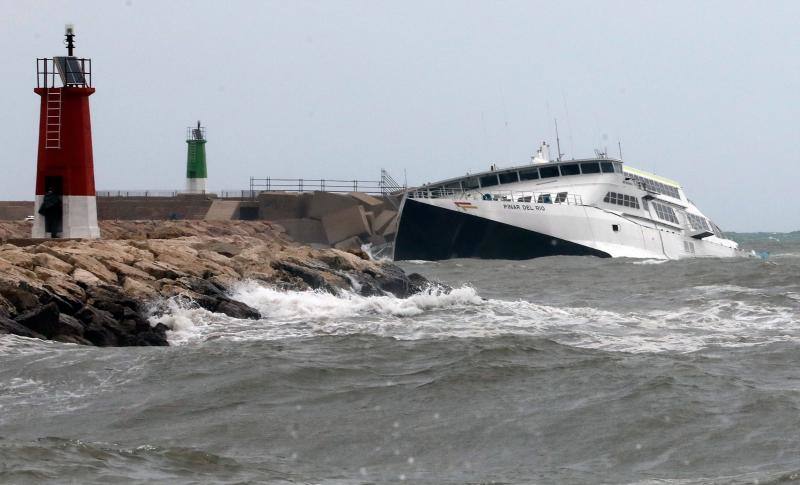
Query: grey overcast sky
[[705, 92]]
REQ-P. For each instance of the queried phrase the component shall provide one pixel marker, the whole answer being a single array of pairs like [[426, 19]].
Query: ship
[[596, 206]]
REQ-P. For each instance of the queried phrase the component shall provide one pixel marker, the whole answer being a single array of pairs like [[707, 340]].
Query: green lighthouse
[[196, 173]]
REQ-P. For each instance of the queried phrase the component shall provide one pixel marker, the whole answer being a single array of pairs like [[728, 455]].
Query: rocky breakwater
[[102, 292]]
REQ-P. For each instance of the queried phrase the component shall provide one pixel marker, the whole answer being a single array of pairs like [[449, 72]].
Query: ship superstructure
[[596, 206]]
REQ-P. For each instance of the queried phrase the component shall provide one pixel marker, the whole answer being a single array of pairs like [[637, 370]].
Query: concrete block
[[369, 202], [223, 210], [350, 244], [391, 230], [376, 240], [322, 203], [370, 220], [382, 220], [345, 223], [274, 206], [304, 230]]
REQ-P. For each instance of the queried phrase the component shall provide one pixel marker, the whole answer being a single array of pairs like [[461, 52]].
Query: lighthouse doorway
[[52, 207]]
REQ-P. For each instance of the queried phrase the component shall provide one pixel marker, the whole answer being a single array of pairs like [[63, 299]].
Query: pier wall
[[343, 220], [15, 210]]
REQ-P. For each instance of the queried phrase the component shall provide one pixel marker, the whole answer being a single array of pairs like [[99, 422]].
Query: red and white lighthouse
[[65, 196]]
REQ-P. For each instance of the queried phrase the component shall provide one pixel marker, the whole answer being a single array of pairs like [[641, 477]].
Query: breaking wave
[[462, 313]]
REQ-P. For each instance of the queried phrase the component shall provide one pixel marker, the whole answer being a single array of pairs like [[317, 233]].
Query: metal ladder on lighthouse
[[53, 119]]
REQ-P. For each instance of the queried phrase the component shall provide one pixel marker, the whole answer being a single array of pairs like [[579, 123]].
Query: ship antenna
[[569, 123], [619, 145], [558, 141]]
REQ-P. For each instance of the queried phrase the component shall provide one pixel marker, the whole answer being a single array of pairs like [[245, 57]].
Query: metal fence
[[385, 186], [222, 194]]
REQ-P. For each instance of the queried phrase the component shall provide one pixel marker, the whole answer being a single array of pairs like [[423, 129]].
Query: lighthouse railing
[[48, 76]]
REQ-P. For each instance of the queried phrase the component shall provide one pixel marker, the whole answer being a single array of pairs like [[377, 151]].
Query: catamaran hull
[[429, 232], [437, 229]]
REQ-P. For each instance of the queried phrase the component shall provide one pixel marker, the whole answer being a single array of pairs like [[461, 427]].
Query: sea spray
[[462, 313]]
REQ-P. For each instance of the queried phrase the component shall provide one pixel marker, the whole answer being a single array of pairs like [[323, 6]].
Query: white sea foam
[[651, 261], [463, 313]]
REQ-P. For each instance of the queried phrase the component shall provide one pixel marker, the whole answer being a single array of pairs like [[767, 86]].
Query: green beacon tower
[[196, 172]]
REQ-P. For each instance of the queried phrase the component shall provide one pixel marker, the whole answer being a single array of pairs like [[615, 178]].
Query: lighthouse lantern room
[[65, 205]]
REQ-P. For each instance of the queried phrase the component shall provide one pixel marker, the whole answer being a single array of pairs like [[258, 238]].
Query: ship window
[[621, 199], [453, 186], [544, 199], [526, 198], [570, 169], [615, 227], [470, 183], [654, 186], [697, 223], [591, 167], [547, 172], [489, 180], [530, 174], [607, 167], [561, 197], [665, 212], [508, 178]]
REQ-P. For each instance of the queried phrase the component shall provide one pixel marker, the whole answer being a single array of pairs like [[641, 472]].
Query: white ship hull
[[505, 223]]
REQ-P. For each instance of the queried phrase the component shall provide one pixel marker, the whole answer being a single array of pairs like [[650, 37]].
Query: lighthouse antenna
[[69, 33]]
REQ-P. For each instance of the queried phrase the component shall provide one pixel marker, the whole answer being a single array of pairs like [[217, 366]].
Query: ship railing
[[499, 196]]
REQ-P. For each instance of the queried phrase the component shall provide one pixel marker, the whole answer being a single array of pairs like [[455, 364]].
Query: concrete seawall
[[344, 221]]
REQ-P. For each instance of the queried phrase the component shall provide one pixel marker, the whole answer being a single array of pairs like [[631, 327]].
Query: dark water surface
[[556, 370]]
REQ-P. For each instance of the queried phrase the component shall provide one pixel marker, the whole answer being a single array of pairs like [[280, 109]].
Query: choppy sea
[[555, 370]]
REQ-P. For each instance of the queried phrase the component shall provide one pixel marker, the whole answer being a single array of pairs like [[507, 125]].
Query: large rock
[[10, 326], [345, 223], [20, 296], [49, 261], [43, 320], [350, 244], [86, 278], [93, 266]]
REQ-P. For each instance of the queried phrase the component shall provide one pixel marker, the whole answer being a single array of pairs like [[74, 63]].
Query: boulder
[[19, 296], [350, 244], [138, 289], [86, 278], [126, 271], [51, 262], [93, 266], [10, 326], [43, 320], [159, 269], [99, 326]]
